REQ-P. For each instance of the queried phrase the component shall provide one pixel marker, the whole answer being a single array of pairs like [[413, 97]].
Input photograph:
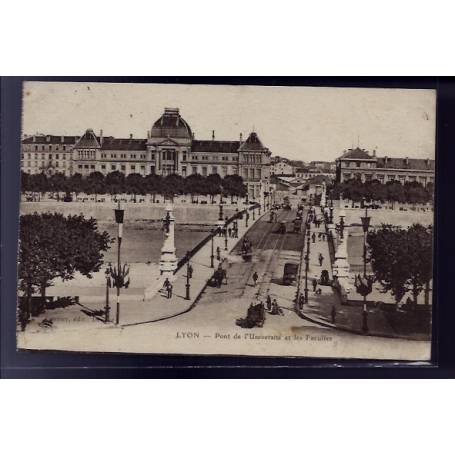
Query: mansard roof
[[111, 143], [88, 140], [419, 164], [357, 154], [215, 146], [49, 139], [253, 143]]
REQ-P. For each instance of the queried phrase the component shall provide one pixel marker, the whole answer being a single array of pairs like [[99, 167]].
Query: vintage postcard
[[227, 220]]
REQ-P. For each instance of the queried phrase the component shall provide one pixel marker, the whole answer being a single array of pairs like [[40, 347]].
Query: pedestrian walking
[[255, 277], [269, 302], [229, 232], [218, 253], [314, 282], [321, 259], [319, 236], [313, 237]]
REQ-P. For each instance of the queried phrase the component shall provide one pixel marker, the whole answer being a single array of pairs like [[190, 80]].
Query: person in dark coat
[[321, 259], [313, 237], [269, 302], [314, 282], [255, 277]]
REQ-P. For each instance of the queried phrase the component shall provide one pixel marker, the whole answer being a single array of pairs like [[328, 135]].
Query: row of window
[[51, 156], [223, 170], [252, 158], [43, 148], [43, 164], [389, 177]]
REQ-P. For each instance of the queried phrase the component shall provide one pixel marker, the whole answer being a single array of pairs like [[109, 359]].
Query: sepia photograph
[[226, 220]]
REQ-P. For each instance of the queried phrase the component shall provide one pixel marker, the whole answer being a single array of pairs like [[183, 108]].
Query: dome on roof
[[171, 124]]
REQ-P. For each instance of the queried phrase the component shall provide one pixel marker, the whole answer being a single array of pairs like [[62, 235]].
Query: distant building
[[282, 167], [360, 164], [308, 173], [47, 154], [170, 148]]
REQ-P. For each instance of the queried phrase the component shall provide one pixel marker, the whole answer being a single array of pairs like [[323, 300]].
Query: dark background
[[42, 364]]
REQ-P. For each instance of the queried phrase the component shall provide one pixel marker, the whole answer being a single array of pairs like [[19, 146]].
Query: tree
[[172, 184], [95, 184], [213, 182], [153, 185], [115, 182], [57, 182], [402, 259], [195, 185], [39, 184], [75, 183], [134, 184], [233, 186], [389, 266], [53, 246]]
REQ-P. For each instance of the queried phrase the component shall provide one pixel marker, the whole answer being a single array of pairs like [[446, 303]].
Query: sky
[[300, 123]]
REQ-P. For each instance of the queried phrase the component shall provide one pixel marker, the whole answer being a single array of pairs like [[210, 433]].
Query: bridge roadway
[[218, 308]]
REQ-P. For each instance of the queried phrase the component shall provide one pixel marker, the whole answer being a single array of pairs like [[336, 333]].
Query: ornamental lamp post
[[220, 216], [342, 217], [107, 308], [119, 214], [212, 255], [307, 262], [189, 273], [331, 214], [247, 216], [365, 226], [225, 234]]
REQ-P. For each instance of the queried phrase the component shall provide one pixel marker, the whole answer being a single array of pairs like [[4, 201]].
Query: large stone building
[[170, 148], [359, 163]]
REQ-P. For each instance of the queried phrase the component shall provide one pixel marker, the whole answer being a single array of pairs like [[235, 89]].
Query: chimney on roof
[[386, 159], [213, 135], [374, 153], [131, 135], [406, 161], [241, 138], [48, 138], [34, 138], [62, 139], [101, 137], [148, 134], [427, 161]]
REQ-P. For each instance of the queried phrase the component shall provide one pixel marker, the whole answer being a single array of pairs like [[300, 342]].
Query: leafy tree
[[53, 246], [75, 183], [195, 184], [95, 184], [153, 185], [115, 182], [401, 259], [214, 187], [134, 184], [172, 184], [233, 186]]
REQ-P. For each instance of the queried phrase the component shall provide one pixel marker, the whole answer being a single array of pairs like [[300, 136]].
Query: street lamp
[[342, 217], [225, 235], [119, 214], [189, 274], [366, 287], [254, 211], [247, 216], [331, 214], [107, 308], [307, 261], [212, 255], [220, 216]]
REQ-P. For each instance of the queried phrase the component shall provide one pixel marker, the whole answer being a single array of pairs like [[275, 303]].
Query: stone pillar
[[341, 267], [168, 260]]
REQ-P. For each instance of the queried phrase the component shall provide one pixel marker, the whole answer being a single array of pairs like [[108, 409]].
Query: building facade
[[170, 148], [360, 164], [282, 167]]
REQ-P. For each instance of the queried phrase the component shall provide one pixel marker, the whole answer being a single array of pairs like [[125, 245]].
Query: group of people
[[231, 231]]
